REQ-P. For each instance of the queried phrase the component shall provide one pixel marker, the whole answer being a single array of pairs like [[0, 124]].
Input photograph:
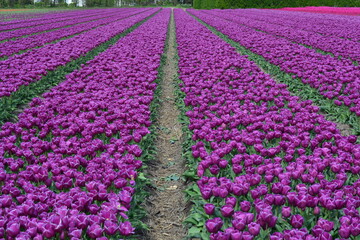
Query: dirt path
[[166, 206]]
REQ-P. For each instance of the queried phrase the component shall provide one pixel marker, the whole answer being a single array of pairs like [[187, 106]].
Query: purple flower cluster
[[269, 164], [14, 17], [69, 165], [339, 47], [31, 66], [48, 18], [324, 24], [73, 26], [333, 78]]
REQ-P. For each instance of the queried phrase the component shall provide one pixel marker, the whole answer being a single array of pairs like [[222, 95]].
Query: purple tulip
[[227, 210], [38, 237], [345, 220], [126, 229], [245, 206], [214, 225], [247, 236], [94, 231], [239, 224], [254, 228], [236, 235], [276, 236], [296, 221], [355, 229], [325, 236], [209, 209], [316, 210], [345, 231], [13, 229], [231, 201], [326, 225], [76, 233], [317, 230], [286, 212], [110, 227]]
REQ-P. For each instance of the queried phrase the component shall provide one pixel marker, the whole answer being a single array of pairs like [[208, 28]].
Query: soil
[[167, 205], [345, 129]]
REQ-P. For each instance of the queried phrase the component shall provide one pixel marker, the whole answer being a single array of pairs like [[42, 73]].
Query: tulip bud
[[209, 208], [316, 210], [286, 212]]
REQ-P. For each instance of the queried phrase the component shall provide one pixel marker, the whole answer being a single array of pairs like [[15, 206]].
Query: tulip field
[[261, 95]]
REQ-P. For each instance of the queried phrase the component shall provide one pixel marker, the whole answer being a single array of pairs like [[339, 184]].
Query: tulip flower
[[213, 225], [254, 228], [227, 210], [286, 212], [326, 225], [110, 227], [126, 229], [296, 221], [94, 231], [345, 231], [231, 201], [13, 229], [245, 206], [209, 209]]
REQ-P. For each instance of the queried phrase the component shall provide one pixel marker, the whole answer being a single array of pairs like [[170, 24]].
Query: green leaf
[[172, 177], [191, 220], [205, 235], [194, 232]]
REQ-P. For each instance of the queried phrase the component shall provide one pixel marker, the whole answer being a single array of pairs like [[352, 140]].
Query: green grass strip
[[338, 114], [20, 98]]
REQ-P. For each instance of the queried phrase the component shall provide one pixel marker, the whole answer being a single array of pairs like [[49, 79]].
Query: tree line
[[224, 4]]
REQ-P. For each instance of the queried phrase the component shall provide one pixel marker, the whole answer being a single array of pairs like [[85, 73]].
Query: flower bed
[[334, 79], [73, 27], [352, 11], [31, 66], [267, 163], [44, 19], [70, 166], [337, 46]]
